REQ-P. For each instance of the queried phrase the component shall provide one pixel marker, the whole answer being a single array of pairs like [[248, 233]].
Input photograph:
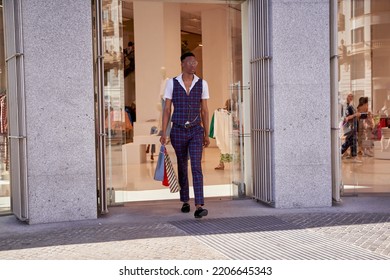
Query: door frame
[[16, 108], [99, 107]]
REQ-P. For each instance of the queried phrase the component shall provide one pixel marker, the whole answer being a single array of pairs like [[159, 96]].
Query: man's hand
[[206, 141]]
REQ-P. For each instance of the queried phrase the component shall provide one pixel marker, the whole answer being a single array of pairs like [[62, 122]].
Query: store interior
[[134, 82]]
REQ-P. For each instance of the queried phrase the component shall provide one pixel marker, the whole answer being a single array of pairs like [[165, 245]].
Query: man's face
[[189, 65]]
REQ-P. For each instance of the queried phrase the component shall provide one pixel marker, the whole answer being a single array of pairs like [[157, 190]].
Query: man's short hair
[[187, 54]]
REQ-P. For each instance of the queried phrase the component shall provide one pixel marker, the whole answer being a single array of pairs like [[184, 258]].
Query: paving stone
[[268, 235]]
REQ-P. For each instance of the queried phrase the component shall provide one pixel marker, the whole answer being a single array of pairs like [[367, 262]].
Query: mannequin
[[160, 104]]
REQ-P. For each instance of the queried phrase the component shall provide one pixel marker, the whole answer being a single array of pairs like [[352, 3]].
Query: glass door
[[116, 120], [364, 94], [237, 102], [5, 191]]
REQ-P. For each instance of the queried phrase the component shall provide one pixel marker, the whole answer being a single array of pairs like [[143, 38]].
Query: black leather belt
[[185, 125]]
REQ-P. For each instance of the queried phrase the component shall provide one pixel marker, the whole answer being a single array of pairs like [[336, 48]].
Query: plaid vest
[[186, 107]]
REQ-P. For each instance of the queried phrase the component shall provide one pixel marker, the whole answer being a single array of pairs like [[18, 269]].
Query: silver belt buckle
[[187, 124]]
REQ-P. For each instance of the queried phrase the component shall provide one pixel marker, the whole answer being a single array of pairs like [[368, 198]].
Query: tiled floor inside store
[[366, 175], [134, 182]]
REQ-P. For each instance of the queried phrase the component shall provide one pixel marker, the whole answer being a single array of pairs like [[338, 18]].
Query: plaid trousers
[[189, 141]]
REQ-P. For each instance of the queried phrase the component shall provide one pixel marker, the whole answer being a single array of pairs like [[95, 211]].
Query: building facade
[[81, 85]]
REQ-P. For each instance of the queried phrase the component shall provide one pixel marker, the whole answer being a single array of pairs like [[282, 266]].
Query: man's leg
[[354, 145], [348, 143], [195, 149], [180, 144]]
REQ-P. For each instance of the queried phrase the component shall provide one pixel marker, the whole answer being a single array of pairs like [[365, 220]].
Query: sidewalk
[[358, 228]]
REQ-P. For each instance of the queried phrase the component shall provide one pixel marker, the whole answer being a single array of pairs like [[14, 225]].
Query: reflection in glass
[[364, 71], [117, 123]]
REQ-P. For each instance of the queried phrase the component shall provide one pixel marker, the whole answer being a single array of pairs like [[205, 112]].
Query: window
[[357, 35], [380, 31], [380, 66], [380, 6], [357, 8], [357, 66], [341, 16]]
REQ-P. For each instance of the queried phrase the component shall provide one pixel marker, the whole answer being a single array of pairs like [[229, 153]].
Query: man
[[350, 119], [189, 133]]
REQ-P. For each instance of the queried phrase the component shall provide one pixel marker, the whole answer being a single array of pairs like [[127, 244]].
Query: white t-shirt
[[169, 87]]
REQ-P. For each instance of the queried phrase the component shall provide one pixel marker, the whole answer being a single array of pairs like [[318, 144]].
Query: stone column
[[300, 46], [57, 40]]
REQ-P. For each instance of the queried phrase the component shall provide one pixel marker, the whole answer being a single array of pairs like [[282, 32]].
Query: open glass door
[[5, 191], [112, 122], [16, 108], [364, 95], [239, 99]]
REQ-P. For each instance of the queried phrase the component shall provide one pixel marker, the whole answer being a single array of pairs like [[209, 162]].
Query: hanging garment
[[211, 130], [223, 126]]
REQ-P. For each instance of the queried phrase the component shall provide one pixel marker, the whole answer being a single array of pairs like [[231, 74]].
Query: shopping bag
[[165, 181], [170, 173], [159, 172]]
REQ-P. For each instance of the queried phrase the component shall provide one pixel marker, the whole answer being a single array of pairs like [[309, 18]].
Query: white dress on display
[[223, 126]]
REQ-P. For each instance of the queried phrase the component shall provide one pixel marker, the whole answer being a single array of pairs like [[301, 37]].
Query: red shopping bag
[[173, 183], [165, 180]]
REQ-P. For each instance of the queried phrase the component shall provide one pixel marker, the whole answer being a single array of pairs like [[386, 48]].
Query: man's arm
[[205, 122], [165, 120]]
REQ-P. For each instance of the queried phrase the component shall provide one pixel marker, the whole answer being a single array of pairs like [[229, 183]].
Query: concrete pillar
[[301, 103], [59, 89]]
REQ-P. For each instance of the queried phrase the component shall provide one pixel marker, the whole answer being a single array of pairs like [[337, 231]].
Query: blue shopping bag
[[159, 172]]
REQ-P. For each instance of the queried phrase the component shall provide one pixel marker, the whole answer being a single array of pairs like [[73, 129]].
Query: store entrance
[[364, 94], [141, 43]]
